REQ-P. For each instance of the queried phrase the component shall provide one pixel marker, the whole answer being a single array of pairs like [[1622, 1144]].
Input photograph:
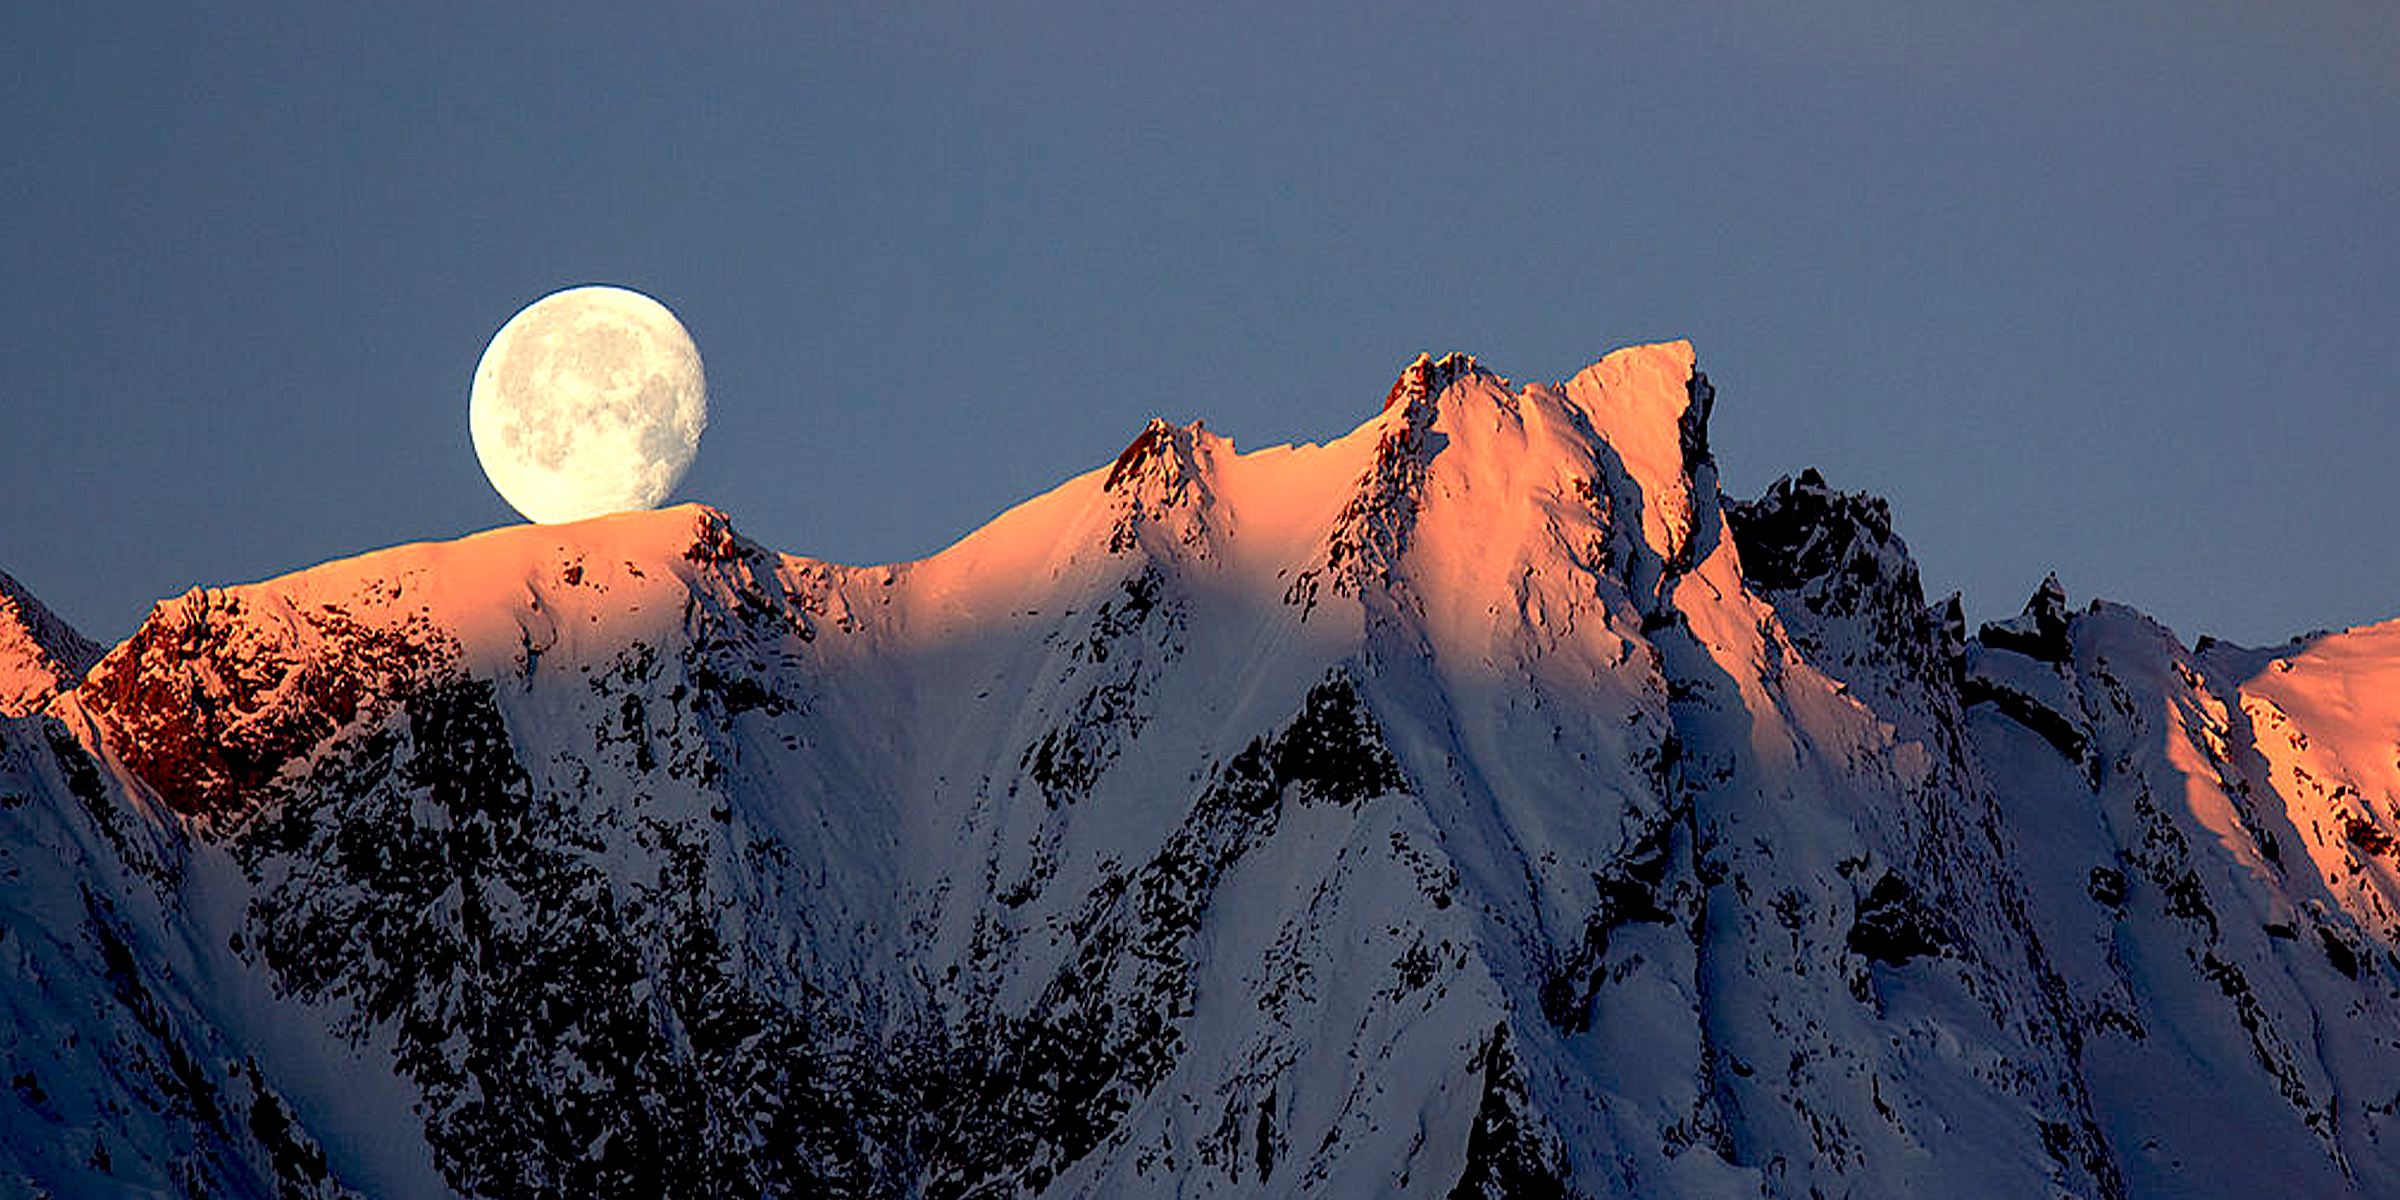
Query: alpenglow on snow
[[1477, 805]]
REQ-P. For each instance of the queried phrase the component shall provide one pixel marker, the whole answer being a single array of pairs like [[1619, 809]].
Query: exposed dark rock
[[1152, 440], [1332, 752], [2062, 732], [1507, 1154], [2339, 952], [2041, 631], [1893, 925], [1427, 378], [207, 716], [1692, 428], [1829, 559], [2364, 833]]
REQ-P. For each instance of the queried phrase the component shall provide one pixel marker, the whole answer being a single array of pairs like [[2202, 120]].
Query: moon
[[589, 401]]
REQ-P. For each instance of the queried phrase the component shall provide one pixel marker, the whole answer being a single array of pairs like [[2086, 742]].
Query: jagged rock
[[1893, 925], [2040, 632]]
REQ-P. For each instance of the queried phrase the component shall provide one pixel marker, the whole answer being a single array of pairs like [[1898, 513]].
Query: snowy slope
[[2208, 839], [1477, 804]]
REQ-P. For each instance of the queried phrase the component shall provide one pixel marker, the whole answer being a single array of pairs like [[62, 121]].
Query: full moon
[[590, 401]]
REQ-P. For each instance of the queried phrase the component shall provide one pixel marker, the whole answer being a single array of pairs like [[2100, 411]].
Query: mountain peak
[[2040, 631], [1650, 405], [40, 654], [1428, 377]]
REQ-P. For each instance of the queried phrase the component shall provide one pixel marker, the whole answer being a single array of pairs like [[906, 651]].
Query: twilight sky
[[2112, 289]]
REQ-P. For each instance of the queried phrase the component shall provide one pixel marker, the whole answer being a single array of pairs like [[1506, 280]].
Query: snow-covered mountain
[[1477, 805]]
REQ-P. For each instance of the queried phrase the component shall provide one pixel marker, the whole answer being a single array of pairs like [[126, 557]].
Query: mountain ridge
[[1477, 803]]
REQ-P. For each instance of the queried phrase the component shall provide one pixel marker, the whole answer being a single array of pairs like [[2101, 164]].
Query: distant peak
[[1157, 438], [1428, 376], [1162, 482], [1809, 489], [2041, 630], [40, 654], [1803, 531], [2051, 596]]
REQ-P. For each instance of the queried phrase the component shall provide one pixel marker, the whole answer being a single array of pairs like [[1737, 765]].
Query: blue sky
[[2107, 289]]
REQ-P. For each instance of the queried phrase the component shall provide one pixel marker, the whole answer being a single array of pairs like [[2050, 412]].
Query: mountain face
[[1477, 805]]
